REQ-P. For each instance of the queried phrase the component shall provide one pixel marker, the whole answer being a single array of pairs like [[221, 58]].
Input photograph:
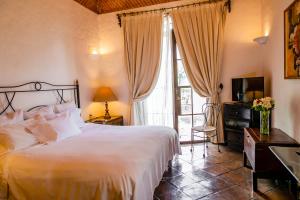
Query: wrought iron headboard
[[38, 86]]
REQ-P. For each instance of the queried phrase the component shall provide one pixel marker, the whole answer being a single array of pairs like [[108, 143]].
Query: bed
[[102, 162]]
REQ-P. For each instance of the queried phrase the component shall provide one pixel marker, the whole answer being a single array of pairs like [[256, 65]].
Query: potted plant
[[264, 105]]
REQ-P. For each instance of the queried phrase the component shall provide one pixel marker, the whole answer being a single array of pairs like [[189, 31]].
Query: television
[[247, 89]]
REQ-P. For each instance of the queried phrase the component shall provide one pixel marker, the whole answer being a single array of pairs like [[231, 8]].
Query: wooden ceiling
[[107, 6]]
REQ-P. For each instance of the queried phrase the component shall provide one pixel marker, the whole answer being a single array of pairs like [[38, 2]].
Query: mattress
[[104, 162]]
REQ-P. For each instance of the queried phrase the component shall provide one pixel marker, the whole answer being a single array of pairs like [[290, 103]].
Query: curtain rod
[[119, 16]]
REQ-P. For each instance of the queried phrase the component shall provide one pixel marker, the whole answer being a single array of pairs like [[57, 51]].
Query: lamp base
[[107, 115]]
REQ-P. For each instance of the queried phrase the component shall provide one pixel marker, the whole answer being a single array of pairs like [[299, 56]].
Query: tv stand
[[236, 117]]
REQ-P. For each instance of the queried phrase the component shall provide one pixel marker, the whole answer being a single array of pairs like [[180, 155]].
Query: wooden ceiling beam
[[90, 4], [108, 6]]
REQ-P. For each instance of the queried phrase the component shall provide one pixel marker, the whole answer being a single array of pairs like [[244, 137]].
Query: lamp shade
[[104, 94]]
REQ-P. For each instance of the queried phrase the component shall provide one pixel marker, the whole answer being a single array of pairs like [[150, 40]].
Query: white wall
[[286, 93], [242, 56], [49, 41], [249, 19], [113, 71]]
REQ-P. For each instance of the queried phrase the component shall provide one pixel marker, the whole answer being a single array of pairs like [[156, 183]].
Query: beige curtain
[[199, 32], [142, 40]]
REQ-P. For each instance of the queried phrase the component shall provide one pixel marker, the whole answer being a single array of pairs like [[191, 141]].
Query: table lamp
[[105, 94]]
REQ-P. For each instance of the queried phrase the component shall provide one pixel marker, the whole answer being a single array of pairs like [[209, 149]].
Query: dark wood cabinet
[[238, 116], [263, 162]]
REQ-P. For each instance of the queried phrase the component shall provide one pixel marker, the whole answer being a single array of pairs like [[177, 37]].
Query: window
[[173, 102], [188, 104]]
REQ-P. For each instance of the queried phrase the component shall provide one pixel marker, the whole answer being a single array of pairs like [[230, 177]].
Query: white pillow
[[42, 111], [32, 121], [75, 112], [75, 115], [15, 137], [58, 108], [59, 128], [53, 116], [64, 126], [12, 118], [43, 132]]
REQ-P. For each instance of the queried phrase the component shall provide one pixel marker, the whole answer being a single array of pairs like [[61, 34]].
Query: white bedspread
[[104, 162]]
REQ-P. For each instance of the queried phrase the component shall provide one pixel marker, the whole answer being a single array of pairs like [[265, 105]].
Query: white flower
[[263, 104], [268, 98], [255, 102]]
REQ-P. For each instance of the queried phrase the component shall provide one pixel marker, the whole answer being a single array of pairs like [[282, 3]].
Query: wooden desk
[[263, 162]]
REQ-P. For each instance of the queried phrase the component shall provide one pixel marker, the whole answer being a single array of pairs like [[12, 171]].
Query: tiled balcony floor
[[219, 176]]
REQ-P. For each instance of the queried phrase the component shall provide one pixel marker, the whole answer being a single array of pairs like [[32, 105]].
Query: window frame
[[177, 92]]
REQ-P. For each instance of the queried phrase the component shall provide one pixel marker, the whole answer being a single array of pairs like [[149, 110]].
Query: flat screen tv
[[247, 89]]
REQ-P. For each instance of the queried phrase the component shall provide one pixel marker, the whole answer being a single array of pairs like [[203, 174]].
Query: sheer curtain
[[158, 107]]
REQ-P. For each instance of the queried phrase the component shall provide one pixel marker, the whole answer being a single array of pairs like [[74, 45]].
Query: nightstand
[[114, 120]]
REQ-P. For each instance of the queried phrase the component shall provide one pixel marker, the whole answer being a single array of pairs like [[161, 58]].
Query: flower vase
[[265, 122]]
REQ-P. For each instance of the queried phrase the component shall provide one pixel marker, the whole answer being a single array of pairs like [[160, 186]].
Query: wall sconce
[[261, 40], [94, 51]]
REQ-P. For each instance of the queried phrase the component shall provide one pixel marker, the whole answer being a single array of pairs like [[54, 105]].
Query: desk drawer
[[249, 148], [236, 124], [237, 112]]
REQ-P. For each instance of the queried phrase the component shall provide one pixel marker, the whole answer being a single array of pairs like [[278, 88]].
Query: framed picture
[[292, 41]]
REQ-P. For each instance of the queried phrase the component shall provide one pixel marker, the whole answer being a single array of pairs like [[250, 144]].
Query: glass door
[[188, 104]]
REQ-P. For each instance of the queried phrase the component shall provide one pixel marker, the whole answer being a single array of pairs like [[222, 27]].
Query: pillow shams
[[56, 129], [64, 126], [75, 116], [15, 137], [42, 111], [12, 118], [58, 108], [75, 113]]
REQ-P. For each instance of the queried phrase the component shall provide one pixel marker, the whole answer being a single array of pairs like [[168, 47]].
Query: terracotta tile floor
[[219, 176]]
